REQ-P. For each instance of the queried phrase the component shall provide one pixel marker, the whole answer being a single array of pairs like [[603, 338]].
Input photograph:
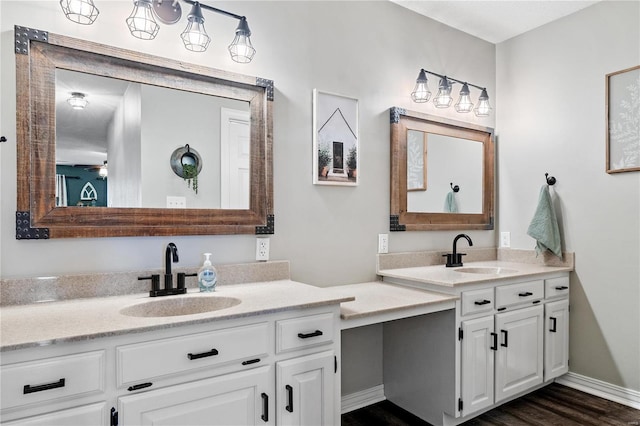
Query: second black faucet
[[455, 259]]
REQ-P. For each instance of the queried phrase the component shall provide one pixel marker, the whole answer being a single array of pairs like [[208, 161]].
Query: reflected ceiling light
[[142, 23], [443, 99], [80, 11], [78, 100]]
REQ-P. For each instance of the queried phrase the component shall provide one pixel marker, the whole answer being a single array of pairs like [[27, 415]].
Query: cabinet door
[[519, 359], [236, 399], [556, 339], [94, 415], [477, 351], [305, 390]]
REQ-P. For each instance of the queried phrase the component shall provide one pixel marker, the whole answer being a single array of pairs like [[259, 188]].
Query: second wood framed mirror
[[442, 173]]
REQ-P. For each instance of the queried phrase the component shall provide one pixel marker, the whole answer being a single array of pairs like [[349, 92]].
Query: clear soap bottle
[[207, 275]]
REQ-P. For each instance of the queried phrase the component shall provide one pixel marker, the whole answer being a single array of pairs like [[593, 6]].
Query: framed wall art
[[623, 120], [335, 140]]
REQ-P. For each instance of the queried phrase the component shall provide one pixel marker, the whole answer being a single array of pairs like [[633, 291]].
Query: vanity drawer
[[556, 287], [514, 294], [476, 301], [149, 360], [301, 332], [49, 379]]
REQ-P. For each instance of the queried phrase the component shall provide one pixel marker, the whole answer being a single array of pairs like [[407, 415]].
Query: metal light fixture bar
[[142, 23], [443, 99]]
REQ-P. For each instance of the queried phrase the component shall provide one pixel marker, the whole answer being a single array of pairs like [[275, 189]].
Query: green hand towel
[[544, 225], [450, 204]]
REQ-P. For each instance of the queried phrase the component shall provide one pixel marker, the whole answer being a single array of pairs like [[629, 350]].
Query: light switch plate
[[176, 202]]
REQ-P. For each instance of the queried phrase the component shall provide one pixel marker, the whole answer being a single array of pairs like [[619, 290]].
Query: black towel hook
[[454, 188], [550, 179]]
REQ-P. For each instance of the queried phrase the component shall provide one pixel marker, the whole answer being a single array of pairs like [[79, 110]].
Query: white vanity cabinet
[[227, 372], [513, 337]]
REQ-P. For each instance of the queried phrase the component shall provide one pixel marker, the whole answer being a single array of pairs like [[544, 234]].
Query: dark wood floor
[[550, 406]]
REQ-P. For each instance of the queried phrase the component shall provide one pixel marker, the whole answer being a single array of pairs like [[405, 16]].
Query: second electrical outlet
[[262, 249]]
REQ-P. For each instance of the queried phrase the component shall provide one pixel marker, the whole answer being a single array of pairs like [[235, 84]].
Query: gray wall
[[551, 84]]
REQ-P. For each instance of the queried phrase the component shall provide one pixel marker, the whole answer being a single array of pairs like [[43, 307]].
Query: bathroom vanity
[[508, 335], [271, 359]]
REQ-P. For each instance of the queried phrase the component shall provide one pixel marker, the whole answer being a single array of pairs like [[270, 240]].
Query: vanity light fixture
[[78, 100], [143, 25], [80, 11], [443, 99]]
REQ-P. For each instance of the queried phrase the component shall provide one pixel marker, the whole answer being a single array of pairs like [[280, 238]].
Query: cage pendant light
[[195, 37], [241, 49], [464, 104], [484, 108], [80, 11], [443, 99], [141, 22], [421, 92]]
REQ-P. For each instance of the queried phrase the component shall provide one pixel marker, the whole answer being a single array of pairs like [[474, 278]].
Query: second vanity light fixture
[[142, 23], [443, 99]]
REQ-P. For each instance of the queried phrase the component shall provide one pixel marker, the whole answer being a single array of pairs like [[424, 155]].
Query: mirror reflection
[[115, 140], [443, 162]]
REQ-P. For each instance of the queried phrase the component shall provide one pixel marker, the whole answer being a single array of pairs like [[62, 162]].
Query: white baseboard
[[362, 398], [602, 389]]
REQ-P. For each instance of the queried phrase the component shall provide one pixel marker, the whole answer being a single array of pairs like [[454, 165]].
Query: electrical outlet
[[176, 202], [262, 249], [505, 239], [383, 243]]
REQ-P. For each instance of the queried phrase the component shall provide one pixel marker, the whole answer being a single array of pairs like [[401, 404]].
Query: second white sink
[[487, 270]]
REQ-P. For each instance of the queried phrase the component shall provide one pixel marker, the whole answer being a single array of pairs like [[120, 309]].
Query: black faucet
[[170, 251], [171, 255], [455, 259]]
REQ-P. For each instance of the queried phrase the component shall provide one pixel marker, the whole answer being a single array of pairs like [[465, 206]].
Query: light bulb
[[141, 22], [464, 104], [421, 92]]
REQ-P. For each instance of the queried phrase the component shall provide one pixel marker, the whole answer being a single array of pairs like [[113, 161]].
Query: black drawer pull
[[482, 302], [553, 325], [265, 407], [525, 294], [494, 347], [212, 352], [314, 334], [505, 333], [251, 361], [562, 287], [138, 387], [39, 388], [289, 406]]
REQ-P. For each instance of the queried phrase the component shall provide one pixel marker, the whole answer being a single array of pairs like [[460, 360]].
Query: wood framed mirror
[[183, 99], [455, 161]]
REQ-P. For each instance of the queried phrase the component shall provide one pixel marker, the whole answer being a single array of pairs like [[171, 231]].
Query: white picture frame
[[336, 149]]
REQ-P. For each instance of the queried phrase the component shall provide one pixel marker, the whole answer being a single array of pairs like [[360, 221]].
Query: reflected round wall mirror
[[137, 110], [442, 173]]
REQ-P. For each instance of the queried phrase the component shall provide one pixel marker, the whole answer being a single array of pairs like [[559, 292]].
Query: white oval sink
[[487, 270], [175, 306]]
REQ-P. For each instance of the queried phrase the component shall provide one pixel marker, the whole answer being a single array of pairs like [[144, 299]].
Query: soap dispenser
[[207, 275]]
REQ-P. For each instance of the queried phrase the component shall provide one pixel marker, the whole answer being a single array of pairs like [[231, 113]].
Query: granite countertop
[[39, 324], [451, 277], [375, 298]]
